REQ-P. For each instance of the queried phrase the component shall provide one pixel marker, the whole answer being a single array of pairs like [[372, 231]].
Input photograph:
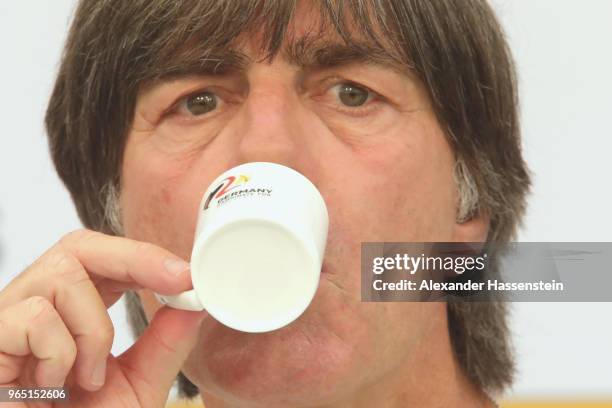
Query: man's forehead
[[312, 35], [319, 47], [313, 39]]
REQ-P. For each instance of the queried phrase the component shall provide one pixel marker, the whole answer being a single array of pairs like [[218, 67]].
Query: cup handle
[[184, 301]]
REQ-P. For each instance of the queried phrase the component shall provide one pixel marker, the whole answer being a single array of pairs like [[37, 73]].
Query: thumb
[[157, 356]]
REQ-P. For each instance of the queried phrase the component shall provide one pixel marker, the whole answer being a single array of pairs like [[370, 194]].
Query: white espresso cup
[[258, 248]]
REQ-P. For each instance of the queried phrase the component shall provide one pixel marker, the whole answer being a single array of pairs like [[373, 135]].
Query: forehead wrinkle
[[317, 53]]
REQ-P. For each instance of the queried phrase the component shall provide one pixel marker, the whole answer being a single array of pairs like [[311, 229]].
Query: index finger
[[126, 260]]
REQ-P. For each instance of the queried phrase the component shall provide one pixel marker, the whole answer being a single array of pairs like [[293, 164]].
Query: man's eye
[[353, 95], [201, 103]]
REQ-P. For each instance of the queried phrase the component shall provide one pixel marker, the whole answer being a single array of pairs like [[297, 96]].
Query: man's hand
[[55, 328]]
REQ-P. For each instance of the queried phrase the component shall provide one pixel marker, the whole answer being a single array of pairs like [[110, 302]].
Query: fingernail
[[99, 375], [176, 266]]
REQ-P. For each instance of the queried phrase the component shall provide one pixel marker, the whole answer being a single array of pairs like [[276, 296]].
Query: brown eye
[[352, 95], [201, 103]]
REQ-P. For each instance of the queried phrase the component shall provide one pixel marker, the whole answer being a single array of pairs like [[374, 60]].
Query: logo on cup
[[226, 190], [225, 187]]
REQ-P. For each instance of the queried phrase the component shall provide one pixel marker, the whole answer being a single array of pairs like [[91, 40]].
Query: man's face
[[367, 137]]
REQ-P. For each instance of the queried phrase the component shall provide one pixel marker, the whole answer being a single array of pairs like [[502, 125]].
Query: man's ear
[[474, 229]]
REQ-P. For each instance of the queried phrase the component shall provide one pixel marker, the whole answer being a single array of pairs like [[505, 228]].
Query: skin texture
[[385, 171]]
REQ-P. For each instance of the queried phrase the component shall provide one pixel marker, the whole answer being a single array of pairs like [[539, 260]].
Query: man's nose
[[271, 125]]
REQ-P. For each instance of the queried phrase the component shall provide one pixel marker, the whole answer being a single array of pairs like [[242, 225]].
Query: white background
[[563, 53]]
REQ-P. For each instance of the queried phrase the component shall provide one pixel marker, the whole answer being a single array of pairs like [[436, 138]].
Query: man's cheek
[[163, 219]]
